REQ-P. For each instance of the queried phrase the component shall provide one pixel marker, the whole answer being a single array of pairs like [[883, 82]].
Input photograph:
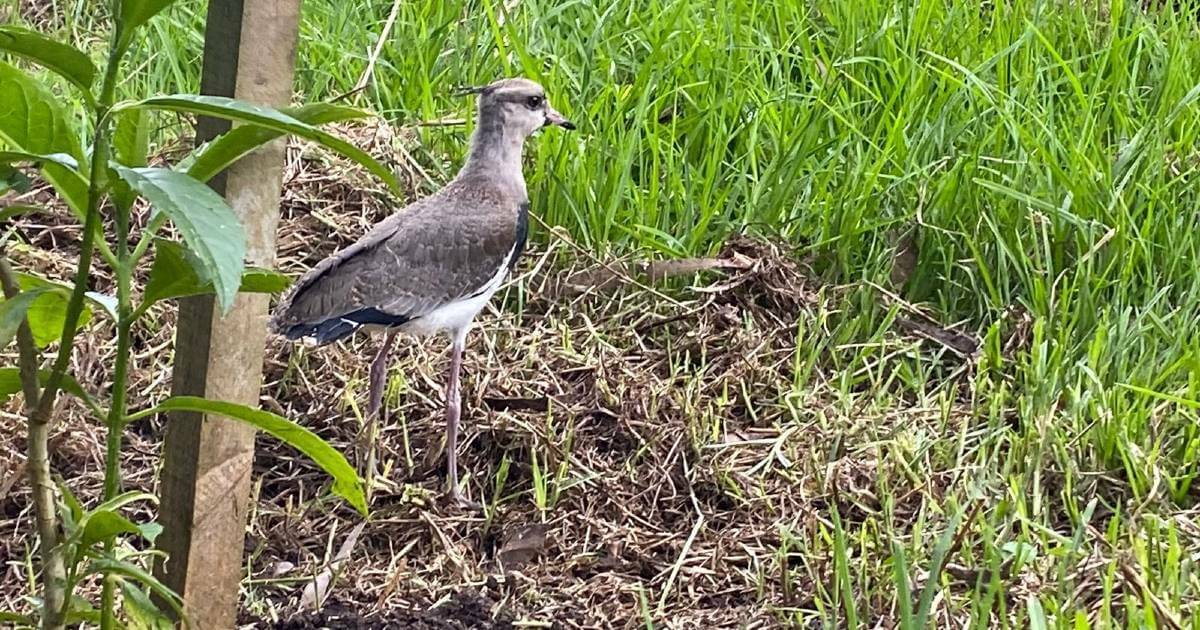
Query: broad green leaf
[[81, 611], [15, 157], [1037, 615], [126, 498], [10, 383], [48, 316], [131, 144], [143, 614], [13, 312], [104, 521], [1018, 552], [208, 225], [108, 303], [71, 509], [239, 111], [150, 531], [131, 138], [104, 524], [61, 170], [44, 305], [11, 178], [216, 156], [70, 186], [32, 120], [135, 13], [132, 571], [48, 313], [259, 280], [346, 482], [174, 273], [173, 276], [325, 113], [17, 620], [72, 189], [64, 60]]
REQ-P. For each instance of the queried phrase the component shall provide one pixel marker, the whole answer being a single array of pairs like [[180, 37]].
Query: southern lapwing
[[433, 265]]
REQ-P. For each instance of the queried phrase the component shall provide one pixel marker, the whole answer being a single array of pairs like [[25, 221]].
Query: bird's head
[[517, 105]]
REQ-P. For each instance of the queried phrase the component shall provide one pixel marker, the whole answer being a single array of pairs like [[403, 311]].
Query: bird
[[432, 266]]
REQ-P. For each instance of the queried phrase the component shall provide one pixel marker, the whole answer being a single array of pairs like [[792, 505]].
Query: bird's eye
[[534, 102]]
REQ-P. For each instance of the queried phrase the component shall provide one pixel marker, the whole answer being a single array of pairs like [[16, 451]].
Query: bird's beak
[[555, 118]]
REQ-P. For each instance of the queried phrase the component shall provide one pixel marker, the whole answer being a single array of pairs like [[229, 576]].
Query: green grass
[[1046, 153]]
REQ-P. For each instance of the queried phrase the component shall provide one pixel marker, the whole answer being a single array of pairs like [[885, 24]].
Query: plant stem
[[124, 271], [27, 357], [54, 574], [45, 406], [147, 236], [116, 414], [39, 418], [116, 411], [125, 318], [96, 189]]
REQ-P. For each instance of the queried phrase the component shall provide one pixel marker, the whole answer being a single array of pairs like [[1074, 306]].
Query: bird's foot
[[366, 450], [459, 500]]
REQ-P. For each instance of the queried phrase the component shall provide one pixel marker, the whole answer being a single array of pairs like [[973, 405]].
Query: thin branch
[[54, 574], [27, 350], [45, 406]]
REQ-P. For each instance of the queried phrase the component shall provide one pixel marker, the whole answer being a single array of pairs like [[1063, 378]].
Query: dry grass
[[650, 429]]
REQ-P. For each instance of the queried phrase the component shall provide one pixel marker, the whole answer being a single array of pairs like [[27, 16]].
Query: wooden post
[[249, 54]]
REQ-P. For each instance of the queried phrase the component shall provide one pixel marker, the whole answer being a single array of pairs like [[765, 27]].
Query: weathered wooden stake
[[249, 53]]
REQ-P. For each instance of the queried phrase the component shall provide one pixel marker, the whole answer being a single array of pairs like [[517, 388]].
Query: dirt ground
[[624, 436]]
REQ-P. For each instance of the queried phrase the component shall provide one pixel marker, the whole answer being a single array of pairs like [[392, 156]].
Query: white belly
[[456, 317]]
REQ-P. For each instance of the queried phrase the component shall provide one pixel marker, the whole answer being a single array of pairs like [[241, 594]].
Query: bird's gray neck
[[495, 151]]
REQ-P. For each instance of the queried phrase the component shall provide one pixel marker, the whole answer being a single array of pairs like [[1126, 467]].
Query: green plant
[[103, 182]]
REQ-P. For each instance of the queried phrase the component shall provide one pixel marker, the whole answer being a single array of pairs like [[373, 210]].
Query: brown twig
[[616, 272]]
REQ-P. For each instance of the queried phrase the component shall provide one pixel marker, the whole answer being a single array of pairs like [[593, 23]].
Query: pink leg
[[378, 378], [376, 384], [453, 411]]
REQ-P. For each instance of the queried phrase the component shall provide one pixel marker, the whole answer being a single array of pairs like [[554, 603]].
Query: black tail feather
[[337, 328]]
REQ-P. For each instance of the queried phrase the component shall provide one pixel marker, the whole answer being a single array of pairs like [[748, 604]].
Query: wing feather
[[441, 249]]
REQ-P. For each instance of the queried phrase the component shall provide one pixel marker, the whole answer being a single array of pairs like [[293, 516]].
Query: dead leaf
[[522, 546], [659, 269], [904, 260], [614, 274], [318, 589], [963, 345]]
